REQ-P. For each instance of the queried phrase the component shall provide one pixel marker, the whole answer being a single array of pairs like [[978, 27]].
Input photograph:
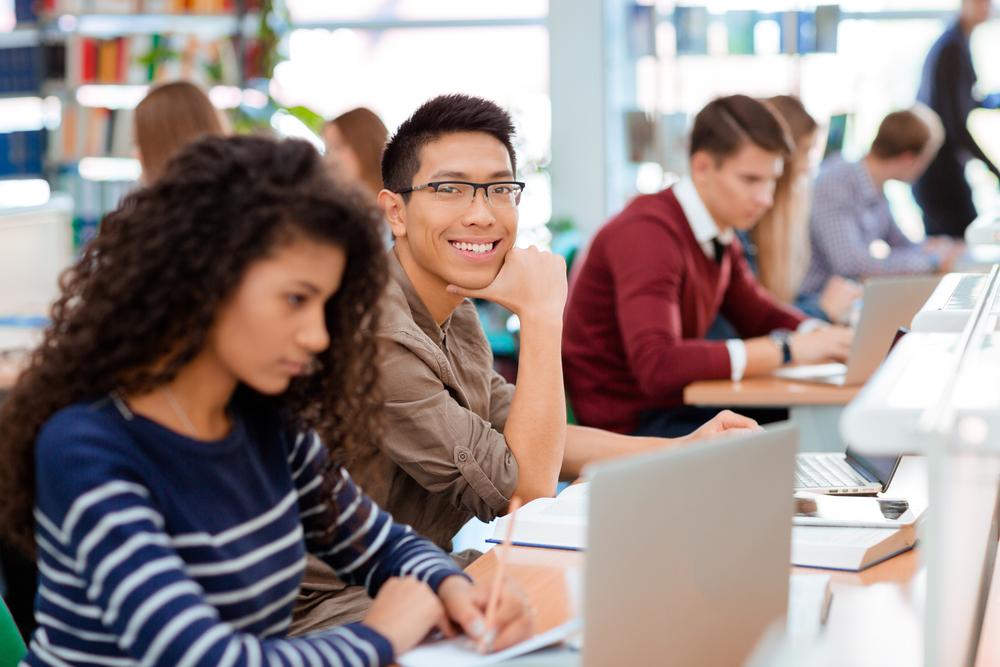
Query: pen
[[486, 642]]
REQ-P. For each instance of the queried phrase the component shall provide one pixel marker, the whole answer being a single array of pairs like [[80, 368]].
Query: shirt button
[[463, 457]]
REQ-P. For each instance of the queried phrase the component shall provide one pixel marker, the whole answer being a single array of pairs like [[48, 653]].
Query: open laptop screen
[[881, 468]]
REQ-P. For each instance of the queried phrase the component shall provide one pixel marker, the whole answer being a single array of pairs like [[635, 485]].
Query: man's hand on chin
[[531, 284]]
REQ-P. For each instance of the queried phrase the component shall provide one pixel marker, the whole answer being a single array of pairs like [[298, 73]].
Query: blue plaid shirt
[[848, 214]]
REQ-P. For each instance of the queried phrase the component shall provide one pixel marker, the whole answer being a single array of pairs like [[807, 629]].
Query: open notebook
[[556, 523]]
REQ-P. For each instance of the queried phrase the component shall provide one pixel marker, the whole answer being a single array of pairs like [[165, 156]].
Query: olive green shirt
[[443, 457]]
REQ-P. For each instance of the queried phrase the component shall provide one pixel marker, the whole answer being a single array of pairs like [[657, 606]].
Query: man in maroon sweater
[[657, 275]]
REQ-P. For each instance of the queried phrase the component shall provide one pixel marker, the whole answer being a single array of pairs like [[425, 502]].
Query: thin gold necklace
[[179, 411]]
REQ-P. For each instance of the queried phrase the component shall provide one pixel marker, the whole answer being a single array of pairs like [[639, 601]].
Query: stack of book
[[91, 132], [144, 6], [140, 59]]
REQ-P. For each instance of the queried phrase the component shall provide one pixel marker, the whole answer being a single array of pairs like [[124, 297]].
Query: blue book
[[740, 27], [798, 32], [691, 27], [827, 25]]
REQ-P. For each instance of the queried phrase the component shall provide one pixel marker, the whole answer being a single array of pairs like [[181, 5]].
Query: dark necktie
[[719, 248]]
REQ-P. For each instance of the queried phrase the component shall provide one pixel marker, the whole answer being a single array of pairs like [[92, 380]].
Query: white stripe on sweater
[[173, 628], [153, 604], [248, 559], [136, 579], [118, 556], [94, 496], [219, 599], [185, 540], [112, 520]]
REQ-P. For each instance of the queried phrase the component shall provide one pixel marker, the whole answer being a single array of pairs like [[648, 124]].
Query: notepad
[[462, 650], [553, 523]]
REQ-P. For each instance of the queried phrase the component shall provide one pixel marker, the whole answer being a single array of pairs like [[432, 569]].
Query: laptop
[[951, 303], [888, 304], [688, 551], [850, 473]]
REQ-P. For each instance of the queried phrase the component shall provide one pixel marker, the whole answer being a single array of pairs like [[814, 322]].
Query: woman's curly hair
[[138, 304]]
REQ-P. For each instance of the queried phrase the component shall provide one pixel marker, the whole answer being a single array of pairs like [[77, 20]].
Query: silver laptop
[[850, 473], [888, 305], [951, 303], [688, 551]]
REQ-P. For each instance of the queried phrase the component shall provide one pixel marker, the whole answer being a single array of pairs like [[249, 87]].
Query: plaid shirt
[[848, 214]]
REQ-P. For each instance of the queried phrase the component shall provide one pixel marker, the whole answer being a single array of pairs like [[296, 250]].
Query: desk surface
[[766, 392], [868, 606]]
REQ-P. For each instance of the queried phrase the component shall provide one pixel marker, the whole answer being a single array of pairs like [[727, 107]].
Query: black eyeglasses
[[499, 194]]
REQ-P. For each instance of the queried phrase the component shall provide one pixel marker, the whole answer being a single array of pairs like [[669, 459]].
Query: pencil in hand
[[486, 641]]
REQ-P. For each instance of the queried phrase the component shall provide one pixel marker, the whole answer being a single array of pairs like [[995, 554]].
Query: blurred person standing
[[947, 86]]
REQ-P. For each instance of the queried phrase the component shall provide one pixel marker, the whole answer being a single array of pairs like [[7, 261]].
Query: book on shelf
[[25, 11], [691, 29], [22, 153], [145, 6], [827, 24], [129, 60], [740, 25], [91, 132], [555, 523], [21, 69], [850, 549], [799, 31]]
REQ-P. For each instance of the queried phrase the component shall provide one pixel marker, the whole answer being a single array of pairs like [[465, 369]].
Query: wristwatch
[[783, 338]]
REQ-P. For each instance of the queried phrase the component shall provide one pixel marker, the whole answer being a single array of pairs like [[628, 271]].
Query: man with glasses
[[460, 441]]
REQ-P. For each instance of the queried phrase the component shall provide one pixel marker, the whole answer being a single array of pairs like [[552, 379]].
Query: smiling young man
[[657, 275], [460, 441]]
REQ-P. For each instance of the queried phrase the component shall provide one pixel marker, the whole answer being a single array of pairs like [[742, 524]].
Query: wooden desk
[[815, 407], [872, 619]]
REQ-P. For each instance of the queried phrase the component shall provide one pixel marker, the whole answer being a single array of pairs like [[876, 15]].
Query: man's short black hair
[[442, 115]]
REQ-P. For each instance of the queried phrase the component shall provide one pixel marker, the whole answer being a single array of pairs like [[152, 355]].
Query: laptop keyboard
[[966, 293], [825, 471]]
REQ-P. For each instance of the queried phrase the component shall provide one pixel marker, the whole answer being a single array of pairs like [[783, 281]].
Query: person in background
[[781, 238], [171, 116], [354, 143], [659, 273], [947, 86], [176, 443], [850, 212]]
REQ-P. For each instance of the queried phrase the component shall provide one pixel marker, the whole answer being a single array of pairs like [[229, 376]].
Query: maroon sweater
[[640, 307]]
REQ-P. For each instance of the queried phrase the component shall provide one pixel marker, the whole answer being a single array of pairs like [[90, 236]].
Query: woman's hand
[[465, 603], [404, 612]]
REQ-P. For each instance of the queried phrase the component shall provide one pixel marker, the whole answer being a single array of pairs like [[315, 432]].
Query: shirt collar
[[702, 224], [421, 316]]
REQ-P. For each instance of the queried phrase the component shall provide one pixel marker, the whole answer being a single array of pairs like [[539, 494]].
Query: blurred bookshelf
[[72, 71]]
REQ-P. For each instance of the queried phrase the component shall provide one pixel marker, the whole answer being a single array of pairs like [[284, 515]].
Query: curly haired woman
[[164, 431]]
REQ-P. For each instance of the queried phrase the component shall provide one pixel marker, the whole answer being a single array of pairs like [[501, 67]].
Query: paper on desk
[[809, 599], [461, 651]]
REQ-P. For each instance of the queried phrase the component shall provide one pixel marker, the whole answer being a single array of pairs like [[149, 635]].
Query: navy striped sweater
[[156, 549]]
